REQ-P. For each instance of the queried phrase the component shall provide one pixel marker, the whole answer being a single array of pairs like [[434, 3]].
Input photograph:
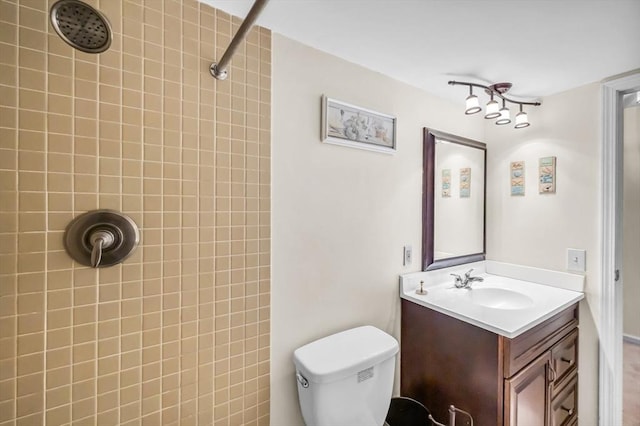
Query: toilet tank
[[346, 378]]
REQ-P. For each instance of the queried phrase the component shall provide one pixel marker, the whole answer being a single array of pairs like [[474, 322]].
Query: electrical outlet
[[576, 260], [408, 255]]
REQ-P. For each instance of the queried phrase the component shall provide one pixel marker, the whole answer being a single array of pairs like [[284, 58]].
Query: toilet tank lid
[[343, 354]]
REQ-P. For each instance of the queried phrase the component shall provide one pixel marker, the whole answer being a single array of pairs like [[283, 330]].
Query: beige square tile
[[59, 415], [29, 405], [109, 94], [85, 145], [58, 84], [85, 89], [32, 18], [132, 28], [83, 408]]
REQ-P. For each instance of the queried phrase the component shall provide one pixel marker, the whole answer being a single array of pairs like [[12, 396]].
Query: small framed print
[[465, 182], [356, 127], [446, 183], [547, 169], [517, 178]]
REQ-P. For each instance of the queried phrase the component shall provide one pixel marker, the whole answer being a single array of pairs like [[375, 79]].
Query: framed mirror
[[453, 200]]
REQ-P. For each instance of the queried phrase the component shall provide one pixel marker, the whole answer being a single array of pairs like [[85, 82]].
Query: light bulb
[[522, 120], [492, 109], [505, 117], [473, 105]]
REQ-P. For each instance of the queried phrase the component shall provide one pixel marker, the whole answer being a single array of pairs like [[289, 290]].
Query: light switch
[[408, 256], [576, 260]]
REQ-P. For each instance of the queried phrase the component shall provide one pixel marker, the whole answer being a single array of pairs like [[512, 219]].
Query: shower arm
[[219, 69]]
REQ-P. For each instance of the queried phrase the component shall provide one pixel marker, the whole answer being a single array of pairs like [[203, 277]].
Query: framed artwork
[[517, 178], [547, 169], [465, 182], [356, 127], [446, 183]]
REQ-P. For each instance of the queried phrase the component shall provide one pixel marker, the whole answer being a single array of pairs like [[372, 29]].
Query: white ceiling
[[543, 47]]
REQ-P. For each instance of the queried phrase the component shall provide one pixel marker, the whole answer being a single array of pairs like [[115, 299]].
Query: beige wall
[[341, 215], [631, 222], [333, 269], [536, 229], [178, 334]]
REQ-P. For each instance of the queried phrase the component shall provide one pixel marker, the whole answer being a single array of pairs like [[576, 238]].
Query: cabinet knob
[[568, 361], [569, 411]]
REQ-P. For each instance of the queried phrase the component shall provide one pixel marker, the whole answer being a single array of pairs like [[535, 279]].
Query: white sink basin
[[501, 304], [500, 298]]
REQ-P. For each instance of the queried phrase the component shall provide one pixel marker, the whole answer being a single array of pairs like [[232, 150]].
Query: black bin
[[407, 412]]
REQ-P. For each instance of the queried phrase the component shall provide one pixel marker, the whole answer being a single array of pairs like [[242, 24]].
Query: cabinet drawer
[[520, 351], [564, 406], [564, 358]]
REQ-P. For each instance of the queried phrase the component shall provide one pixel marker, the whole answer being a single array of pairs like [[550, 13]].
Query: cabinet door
[[527, 395]]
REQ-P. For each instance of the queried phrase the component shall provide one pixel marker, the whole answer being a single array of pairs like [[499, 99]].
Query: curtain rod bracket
[[217, 73]]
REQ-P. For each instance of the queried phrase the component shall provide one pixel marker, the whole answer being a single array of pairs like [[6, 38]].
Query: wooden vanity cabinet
[[530, 380]]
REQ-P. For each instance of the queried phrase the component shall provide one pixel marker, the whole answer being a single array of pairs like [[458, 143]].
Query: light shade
[[505, 116], [492, 109], [522, 120], [473, 105]]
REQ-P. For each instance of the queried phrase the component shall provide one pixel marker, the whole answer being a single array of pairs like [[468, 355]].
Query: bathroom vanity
[[509, 359]]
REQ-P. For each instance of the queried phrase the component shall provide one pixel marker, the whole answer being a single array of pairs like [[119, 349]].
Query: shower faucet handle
[[100, 240]]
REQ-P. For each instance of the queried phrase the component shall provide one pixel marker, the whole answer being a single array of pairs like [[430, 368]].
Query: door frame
[[610, 364]]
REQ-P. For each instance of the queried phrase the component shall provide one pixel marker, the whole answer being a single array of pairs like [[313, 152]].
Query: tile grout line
[[17, 209], [180, 208], [46, 240], [162, 245], [197, 259]]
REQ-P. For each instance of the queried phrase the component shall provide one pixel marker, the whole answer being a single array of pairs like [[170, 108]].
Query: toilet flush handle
[[302, 380]]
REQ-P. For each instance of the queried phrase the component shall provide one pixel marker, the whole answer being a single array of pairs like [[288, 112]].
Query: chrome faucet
[[465, 282]]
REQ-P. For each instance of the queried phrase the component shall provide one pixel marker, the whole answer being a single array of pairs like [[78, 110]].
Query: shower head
[[81, 26]]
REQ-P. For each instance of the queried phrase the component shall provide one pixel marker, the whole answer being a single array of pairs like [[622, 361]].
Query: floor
[[631, 379]]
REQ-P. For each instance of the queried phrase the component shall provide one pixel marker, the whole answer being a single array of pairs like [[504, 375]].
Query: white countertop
[[540, 301]]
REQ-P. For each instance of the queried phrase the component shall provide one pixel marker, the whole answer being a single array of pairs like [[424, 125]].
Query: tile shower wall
[[179, 333]]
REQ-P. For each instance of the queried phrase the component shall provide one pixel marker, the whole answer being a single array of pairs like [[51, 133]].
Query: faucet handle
[[100, 240], [458, 278], [468, 273]]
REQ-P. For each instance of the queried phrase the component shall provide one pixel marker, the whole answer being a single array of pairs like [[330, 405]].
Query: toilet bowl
[[346, 379]]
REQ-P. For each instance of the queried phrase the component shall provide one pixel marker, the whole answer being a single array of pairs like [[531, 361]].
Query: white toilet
[[346, 379]]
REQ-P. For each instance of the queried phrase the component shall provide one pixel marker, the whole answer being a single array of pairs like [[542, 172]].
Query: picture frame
[[350, 125], [465, 182], [516, 174], [547, 175]]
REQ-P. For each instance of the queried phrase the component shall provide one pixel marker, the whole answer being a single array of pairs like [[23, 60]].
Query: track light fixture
[[493, 109]]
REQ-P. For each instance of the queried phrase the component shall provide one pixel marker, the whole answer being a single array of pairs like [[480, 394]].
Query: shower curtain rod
[[219, 69]]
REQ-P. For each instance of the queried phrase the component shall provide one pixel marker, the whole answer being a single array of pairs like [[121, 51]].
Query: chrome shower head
[[81, 26]]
